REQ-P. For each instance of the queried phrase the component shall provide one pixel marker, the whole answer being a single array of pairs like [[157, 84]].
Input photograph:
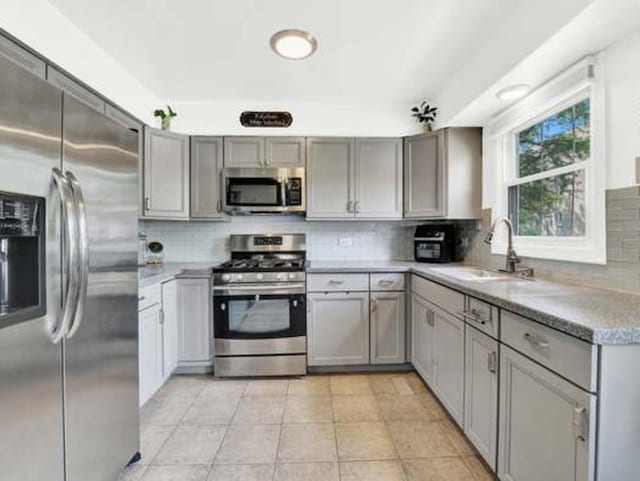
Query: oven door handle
[[259, 289]]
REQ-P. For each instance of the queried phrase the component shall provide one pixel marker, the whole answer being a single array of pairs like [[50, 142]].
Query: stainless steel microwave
[[269, 190]]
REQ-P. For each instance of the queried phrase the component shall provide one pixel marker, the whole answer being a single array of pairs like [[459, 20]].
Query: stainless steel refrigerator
[[68, 284]]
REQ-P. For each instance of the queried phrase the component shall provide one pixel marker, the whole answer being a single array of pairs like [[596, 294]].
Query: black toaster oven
[[435, 243]]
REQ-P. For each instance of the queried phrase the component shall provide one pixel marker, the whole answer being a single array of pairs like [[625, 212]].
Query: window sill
[[556, 249]]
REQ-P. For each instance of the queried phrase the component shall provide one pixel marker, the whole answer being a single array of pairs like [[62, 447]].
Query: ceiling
[[369, 50]]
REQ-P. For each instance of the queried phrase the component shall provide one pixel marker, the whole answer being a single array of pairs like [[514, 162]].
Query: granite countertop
[[154, 273], [598, 316]]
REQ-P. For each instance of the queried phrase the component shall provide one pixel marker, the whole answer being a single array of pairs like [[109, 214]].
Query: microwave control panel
[[294, 191]]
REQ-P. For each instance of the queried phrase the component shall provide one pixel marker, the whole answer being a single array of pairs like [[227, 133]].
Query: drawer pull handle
[[385, 283], [536, 342], [473, 315], [334, 282]]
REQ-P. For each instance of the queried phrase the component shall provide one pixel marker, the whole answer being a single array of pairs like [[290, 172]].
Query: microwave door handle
[[83, 252], [70, 267], [283, 190]]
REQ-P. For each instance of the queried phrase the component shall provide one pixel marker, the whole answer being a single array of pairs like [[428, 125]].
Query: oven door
[[268, 322]]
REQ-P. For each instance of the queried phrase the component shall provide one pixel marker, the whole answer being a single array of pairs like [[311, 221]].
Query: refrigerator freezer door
[[101, 382], [31, 414]]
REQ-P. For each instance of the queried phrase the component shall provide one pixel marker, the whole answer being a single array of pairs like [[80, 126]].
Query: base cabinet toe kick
[[536, 403]]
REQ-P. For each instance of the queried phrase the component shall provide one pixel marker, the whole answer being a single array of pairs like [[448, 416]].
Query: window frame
[[553, 97]]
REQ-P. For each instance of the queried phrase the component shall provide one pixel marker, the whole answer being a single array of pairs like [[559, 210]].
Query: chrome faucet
[[512, 258]]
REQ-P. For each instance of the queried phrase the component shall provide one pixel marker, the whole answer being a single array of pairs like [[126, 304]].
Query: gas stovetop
[[260, 264]]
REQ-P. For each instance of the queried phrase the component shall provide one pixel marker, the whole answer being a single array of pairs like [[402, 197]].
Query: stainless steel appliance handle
[[70, 259], [83, 252], [283, 191], [239, 290]]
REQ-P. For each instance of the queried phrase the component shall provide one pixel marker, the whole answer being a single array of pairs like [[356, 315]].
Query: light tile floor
[[377, 427]]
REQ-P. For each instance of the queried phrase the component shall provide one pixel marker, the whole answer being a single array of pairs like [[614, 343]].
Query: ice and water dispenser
[[22, 258]]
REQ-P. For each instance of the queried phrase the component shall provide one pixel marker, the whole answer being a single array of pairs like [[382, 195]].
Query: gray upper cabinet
[[424, 194], [378, 178], [330, 172], [547, 424], [70, 86], [442, 171], [244, 152], [285, 151], [166, 175], [206, 166], [22, 57], [114, 113]]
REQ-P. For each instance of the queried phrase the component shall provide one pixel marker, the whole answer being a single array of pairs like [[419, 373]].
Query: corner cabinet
[[166, 175], [338, 328], [206, 169], [442, 174], [544, 424], [354, 178]]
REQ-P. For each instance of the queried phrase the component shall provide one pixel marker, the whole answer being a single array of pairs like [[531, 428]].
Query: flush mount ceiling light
[[513, 92], [293, 44]]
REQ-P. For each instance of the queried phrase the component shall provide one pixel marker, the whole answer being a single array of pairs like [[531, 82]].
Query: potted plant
[[165, 117], [425, 115]]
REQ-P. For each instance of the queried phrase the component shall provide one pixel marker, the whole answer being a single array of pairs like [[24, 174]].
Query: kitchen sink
[[475, 274]]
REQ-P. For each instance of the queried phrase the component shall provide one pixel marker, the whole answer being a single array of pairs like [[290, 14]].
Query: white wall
[[309, 118], [622, 119], [623, 110], [41, 26]]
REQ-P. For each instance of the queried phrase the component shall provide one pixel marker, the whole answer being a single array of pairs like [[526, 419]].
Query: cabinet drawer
[[148, 296], [572, 358], [482, 316], [387, 282], [337, 282], [443, 297]]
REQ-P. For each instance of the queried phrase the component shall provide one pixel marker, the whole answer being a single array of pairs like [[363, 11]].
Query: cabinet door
[[481, 393], [169, 328], [206, 167], [422, 338], [285, 151], [425, 176], [166, 174], [330, 171], [378, 178], [194, 321], [387, 328], [547, 425], [449, 363], [149, 352], [244, 152], [338, 328]]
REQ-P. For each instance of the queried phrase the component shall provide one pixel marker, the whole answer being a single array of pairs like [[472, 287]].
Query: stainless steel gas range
[[259, 303]]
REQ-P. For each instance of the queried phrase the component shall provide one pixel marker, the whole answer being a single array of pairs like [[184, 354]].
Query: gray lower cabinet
[[206, 168], [481, 393], [330, 173], [338, 328], [422, 338], [547, 424], [387, 328], [166, 174], [169, 328], [195, 326], [149, 352], [448, 356]]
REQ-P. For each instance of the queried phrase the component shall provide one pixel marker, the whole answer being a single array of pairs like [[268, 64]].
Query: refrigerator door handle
[[70, 267], [83, 252]]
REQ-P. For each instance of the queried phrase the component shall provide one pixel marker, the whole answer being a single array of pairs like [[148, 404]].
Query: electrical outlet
[[345, 241]]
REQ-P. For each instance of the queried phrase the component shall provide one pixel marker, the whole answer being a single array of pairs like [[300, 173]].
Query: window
[[544, 169], [547, 198]]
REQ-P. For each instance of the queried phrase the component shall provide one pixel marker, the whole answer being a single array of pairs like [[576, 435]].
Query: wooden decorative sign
[[266, 119]]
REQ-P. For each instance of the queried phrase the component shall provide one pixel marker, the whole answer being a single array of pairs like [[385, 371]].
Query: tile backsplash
[[622, 271], [209, 241]]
